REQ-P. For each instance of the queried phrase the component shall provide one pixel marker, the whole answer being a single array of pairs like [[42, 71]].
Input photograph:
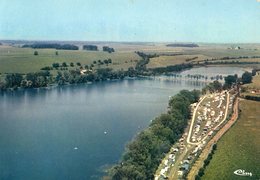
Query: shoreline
[[133, 78]]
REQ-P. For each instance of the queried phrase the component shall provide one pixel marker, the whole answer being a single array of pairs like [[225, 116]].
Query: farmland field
[[239, 148], [173, 60], [22, 60], [205, 51]]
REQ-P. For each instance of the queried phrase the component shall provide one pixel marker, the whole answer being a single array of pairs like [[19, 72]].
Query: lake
[[74, 132]]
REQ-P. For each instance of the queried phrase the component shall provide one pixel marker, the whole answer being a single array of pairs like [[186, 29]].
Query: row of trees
[[220, 60], [145, 152], [141, 64], [254, 98], [51, 46], [36, 53], [174, 68], [230, 80], [206, 163], [183, 45], [229, 62], [90, 47], [64, 65], [108, 49], [45, 78]]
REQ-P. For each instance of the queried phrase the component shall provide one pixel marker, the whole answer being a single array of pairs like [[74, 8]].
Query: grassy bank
[[239, 148]]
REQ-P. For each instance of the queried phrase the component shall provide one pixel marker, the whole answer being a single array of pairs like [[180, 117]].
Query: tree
[[55, 65], [254, 72], [78, 64], [230, 79], [64, 64], [106, 61], [72, 64], [246, 77], [13, 80], [201, 172], [217, 85], [56, 53], [36, 53]]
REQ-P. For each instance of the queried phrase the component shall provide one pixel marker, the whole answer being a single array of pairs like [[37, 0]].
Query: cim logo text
[[241, 172]]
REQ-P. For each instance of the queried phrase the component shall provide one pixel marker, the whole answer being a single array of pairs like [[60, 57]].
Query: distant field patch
[[163, 61], [239, 148], [222, 52]]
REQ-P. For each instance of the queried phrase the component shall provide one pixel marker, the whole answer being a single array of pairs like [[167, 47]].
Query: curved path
[[193, 119]]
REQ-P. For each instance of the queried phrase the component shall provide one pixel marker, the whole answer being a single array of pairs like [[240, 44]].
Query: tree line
[[230, 81], [143, 155], [182, 45], [51, 46], [44, 78], [173, 68], [90, 47], [206, 163], [108, 49]]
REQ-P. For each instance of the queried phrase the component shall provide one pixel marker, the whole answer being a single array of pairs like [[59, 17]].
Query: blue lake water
[[74, 132]]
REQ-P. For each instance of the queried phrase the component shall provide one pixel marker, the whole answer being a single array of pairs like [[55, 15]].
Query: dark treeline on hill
[[182, 45], [141, 65], [254, 98], [90, 47], [143, 155], [174, 68], [108, 49], [51, 46]]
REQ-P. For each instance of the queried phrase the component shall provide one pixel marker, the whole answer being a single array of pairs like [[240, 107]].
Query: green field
[[239, 148], [205, 51], [22, 60]]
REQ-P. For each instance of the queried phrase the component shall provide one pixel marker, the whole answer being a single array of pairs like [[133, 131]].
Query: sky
[[214, 21]]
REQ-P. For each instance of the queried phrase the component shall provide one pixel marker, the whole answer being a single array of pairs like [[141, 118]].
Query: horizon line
[[111, 41]]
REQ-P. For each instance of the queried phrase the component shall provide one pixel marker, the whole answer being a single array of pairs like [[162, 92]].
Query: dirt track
[[199, 163]]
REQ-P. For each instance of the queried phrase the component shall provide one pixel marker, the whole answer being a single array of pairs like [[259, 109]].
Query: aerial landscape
[[129, 89]]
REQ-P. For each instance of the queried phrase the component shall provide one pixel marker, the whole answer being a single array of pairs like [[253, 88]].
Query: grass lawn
[[22, 60], [239, 148]]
